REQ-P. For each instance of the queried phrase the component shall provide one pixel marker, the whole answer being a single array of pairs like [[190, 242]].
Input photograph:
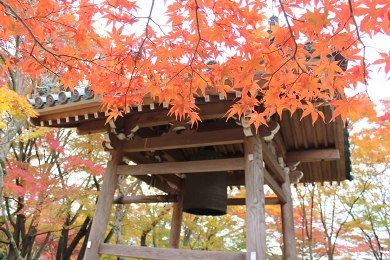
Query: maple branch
[[352, 16], [198, 32], [57, 56], [19, 18], [349, 211], [291, 33], [39, 62]]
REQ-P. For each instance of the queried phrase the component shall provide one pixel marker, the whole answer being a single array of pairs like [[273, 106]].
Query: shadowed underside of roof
[[320, 150]]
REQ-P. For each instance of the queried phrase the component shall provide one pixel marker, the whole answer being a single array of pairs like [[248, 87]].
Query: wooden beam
[[160, 117], [315, 155], [93, 126], [186, 139], [272, 183], [166, 253], [203, 166], [156, 117], [157, 182], [272, 163], [255, 200], [145, 199], [173, 198], [103, 207]]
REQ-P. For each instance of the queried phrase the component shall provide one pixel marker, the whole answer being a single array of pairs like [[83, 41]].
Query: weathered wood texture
[[203, 166], [174, 198], [289, 240], [274, 185], [103, 207], [313, 155], [185, 140], [255, 201], [145, 199], [272, 163], [167, 253], [177, 217]]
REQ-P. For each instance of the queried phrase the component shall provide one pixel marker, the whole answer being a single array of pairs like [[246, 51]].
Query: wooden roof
[[148, 135]]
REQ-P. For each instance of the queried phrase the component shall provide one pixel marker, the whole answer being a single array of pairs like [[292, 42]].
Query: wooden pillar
[[103, 207], [289, 240], [255, 201], [177, 216]]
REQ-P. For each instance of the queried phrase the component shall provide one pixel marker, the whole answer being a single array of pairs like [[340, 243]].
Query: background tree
[[49, 193], [370, 219]]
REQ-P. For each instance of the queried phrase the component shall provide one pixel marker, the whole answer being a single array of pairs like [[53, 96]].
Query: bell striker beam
[[103, 207], [255, 199], [289, 240]]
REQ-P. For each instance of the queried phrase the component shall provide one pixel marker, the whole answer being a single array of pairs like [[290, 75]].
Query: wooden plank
[[255, 201], [202, 166], [186, 139], [272, 163], [93, 126], [272, 183], [145, 199], [289, 240], [315, 155], [103, 207], [177, 218], [174, 198], [158, 117], [166, 253]]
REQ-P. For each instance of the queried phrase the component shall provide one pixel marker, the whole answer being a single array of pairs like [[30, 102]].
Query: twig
[[361, 41]]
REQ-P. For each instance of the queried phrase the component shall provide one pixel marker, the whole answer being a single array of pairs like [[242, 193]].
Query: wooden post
[[103, 207], [177, 216], [255, 213], [289, 248]]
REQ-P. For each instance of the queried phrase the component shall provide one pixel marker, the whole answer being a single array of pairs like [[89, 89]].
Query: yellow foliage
[[13, 105]]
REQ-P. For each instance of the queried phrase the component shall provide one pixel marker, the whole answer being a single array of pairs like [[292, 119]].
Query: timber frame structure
[[288, 150]]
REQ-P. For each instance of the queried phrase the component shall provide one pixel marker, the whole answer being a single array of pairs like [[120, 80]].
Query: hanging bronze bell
[[205, 194]]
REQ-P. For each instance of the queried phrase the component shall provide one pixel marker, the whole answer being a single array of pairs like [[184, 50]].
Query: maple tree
[[370, 219], [198, 47], [47, 212]]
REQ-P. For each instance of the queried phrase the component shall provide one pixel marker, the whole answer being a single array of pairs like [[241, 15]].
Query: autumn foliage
[[128, 50]]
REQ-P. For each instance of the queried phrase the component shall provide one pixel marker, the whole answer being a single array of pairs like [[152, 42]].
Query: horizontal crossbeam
[[203, 166], [315, 155], [186, 139], [173, 198], [167, 253]]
